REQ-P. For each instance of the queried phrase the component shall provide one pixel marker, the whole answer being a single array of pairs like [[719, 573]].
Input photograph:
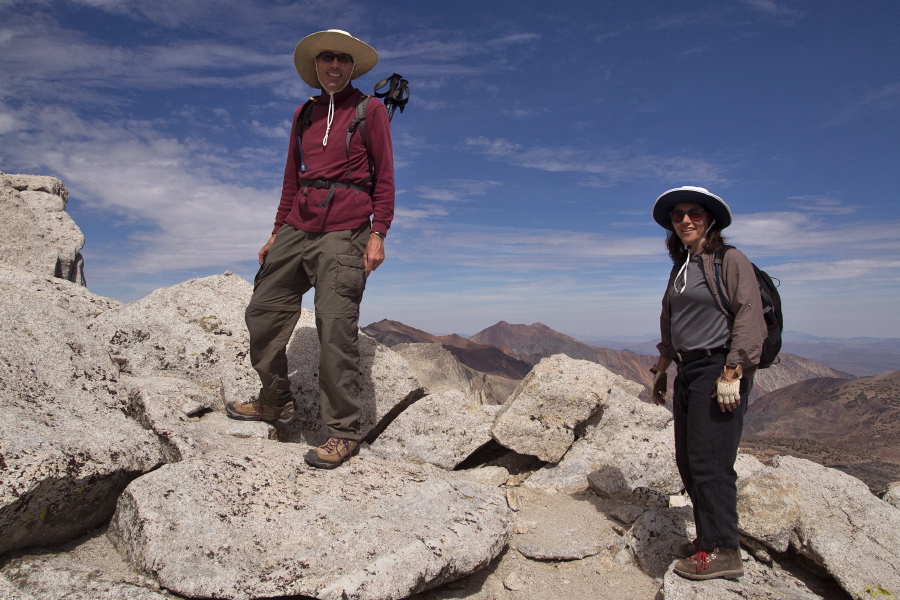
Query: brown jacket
[[748, 328]]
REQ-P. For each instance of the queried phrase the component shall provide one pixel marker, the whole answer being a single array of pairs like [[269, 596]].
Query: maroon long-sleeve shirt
[[349, 208]]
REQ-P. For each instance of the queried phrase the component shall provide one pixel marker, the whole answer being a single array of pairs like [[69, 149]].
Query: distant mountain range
[[510, 351], [861, 356], [800, 406], [484, 358]]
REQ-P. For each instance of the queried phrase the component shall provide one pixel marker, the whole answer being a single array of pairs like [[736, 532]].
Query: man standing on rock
[[337, 203]]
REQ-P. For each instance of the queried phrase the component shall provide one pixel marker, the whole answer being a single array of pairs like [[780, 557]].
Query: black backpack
[[771, 305]]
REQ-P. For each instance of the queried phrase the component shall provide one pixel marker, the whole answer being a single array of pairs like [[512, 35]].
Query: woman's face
[[690, 222]]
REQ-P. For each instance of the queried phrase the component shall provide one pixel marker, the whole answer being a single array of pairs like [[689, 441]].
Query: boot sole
[[716, 575], [313, 460]]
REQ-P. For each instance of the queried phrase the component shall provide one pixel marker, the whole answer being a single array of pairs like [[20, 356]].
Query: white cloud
[[772, 8], [280, 132], [826, 205], [883, 99], [456, 190], [184, 213], [602, 165], [7, 123], [39, 53], [837, 270], [793, 233]]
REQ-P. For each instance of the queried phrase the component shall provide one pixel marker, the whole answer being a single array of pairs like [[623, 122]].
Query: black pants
[[706, 445]]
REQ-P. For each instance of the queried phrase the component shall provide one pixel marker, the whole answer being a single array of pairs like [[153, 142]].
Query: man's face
[[334, 70]]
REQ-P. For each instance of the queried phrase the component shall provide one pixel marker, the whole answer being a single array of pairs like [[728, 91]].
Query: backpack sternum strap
[[321, 184]]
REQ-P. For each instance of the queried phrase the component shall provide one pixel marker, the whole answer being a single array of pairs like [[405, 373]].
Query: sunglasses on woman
[[330, 56], [694, 214]]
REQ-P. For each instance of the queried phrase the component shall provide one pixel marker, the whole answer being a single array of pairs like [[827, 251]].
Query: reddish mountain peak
[[386, 326], [511, 335]]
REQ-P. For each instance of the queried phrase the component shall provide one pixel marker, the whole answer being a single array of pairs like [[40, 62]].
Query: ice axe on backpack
[[397, 94]]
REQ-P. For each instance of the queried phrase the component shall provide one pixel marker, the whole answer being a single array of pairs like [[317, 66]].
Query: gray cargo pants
[[333, 264]]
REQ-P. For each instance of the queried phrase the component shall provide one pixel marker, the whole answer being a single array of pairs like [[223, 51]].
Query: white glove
[[728, 393]]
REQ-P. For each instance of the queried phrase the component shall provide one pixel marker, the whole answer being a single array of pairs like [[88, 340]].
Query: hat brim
[[662, 210], [334, 40]]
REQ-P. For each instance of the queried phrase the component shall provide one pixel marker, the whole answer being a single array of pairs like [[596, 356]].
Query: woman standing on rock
[[716, 352]]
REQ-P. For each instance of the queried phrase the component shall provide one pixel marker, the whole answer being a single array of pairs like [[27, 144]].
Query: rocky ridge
[[122, 478]]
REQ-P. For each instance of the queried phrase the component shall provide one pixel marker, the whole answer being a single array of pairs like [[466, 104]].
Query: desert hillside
[[849, 424]]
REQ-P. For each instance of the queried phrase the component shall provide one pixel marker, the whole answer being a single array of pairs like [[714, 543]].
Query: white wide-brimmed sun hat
[[662, 210], [332, 40]]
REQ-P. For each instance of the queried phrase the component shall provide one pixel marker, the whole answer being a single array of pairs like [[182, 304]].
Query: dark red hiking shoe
[[721, 562]]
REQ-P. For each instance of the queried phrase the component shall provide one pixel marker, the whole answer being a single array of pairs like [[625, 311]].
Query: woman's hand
[[660, 387], [728, 388], [660, 381]]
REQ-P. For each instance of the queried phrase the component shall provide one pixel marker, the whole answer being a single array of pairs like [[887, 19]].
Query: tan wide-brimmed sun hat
[[333, 40]]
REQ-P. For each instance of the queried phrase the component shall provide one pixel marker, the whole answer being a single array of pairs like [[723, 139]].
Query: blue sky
[[535, 141]]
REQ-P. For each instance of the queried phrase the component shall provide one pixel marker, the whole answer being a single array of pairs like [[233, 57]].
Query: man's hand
[[374, 253], [264, 251]]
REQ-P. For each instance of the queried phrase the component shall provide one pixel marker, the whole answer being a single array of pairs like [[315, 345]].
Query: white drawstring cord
[[683, 268], [330, 118], [331, 100]]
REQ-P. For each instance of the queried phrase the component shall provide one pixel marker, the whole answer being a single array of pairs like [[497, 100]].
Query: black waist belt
[[321, 184], [692, 355]]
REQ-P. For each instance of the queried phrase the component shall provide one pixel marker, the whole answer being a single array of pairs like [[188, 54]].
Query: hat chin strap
[[331, 99]]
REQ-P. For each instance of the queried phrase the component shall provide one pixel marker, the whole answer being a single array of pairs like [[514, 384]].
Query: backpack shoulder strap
[[717, 260], [358, 124], [304, 120]]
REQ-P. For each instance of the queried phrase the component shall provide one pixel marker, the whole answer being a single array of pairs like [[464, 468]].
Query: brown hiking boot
[[256, 411], [332, 453], [687, 549], [721, 562]]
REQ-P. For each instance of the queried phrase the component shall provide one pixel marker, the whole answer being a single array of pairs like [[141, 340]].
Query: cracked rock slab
[[827, 516], [557, 395], [261, 524], [442, 429], [66, 447]]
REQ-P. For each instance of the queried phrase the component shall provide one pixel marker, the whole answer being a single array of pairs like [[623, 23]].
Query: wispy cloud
[[885, 269], [770, 7], [808, 235], [456, 190], [512, 250], [187, 209], [884, 99], [256, 18], [826, 205], [42, 54], [604, 166]]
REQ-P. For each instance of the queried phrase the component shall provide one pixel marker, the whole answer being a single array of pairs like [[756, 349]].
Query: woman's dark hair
[[678, 251]]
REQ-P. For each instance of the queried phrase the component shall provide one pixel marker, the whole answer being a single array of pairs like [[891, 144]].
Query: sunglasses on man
[[328, 57]]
